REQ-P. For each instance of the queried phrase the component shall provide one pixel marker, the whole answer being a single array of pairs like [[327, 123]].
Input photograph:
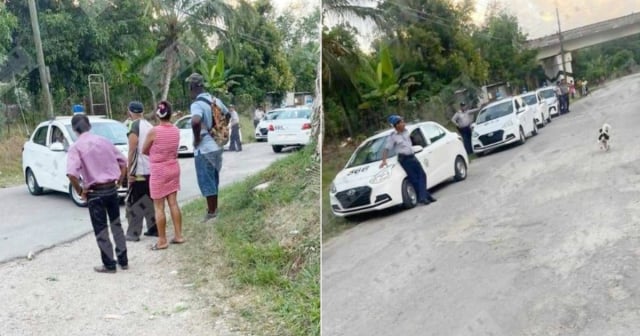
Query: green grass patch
[[266, 245], [334, 157], [11, 159]]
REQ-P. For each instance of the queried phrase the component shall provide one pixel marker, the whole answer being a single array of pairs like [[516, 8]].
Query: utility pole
[[564, 73], [44, 78]]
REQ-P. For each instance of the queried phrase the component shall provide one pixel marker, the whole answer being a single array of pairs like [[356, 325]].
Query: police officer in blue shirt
[[400, 141]]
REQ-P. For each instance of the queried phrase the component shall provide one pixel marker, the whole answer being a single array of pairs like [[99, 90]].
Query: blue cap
[[136, 107], [394, 119]]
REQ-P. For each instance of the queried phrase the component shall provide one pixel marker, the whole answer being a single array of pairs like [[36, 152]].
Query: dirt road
[[58, 293], [541, 239]]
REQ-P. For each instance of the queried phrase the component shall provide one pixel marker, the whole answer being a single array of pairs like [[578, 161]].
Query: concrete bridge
[[549, 46]]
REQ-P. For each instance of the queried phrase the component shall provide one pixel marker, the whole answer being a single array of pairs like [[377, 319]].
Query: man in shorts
[[206, 152]]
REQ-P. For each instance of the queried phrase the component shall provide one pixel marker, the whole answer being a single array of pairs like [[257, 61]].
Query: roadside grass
[[11, 159], [265, 244], [334, 157], [246, 125]]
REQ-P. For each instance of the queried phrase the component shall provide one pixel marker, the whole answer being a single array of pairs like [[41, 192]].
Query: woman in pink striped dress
[[162, 147]]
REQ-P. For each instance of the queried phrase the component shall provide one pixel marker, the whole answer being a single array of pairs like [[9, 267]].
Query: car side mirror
[[57, 147], [417, 149]]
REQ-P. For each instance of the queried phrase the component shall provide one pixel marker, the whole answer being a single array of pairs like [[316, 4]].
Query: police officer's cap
[[394, 119]]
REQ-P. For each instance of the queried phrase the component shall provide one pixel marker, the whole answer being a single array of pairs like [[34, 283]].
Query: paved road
[[541, 239], [32, 223]]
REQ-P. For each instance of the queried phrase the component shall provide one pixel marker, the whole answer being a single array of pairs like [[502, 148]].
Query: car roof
[[497, 102], [409, 126], [66, 120]]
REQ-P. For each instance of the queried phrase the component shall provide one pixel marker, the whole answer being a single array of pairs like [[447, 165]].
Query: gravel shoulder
[[58, 293]]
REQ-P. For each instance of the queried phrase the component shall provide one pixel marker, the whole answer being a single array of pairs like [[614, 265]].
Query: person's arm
[[151, 136], [384, 158], [73, 171], [196, 123], [133, 147]]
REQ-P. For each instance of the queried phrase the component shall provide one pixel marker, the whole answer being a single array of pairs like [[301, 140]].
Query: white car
[[290, 127], [44, 155], [186, 136], [362, 186], [263, 126], [550, 98], [541, 111], [501, 123]]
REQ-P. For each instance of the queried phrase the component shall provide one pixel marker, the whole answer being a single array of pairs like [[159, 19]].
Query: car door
[[437, 154], [58, 159], [525, 116], [36, 156]]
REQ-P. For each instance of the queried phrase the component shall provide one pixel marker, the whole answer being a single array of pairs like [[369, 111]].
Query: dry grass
[[11, 159]]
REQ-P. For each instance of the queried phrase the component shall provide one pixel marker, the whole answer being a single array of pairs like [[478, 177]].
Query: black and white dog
[[603, 138]]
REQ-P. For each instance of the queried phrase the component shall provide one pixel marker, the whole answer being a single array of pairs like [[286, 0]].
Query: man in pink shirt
[[102, 168]]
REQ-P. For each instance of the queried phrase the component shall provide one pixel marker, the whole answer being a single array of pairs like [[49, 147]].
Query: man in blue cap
[[400, 142]]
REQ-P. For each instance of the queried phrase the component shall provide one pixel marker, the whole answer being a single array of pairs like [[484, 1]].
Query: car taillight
[[271, 127], [306, 126]]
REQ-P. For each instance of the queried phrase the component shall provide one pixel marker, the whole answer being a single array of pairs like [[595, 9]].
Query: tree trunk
[[168, 75], [318, 115]]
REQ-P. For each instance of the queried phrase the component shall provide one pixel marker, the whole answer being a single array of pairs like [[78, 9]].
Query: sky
[[537, 18], [303, 7]]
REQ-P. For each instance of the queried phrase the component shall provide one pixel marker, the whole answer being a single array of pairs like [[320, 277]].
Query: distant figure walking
[[235, 144], [258, 114], [162, 147]]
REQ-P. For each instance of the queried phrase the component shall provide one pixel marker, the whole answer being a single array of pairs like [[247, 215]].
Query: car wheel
[[409, 195], [32, 183], [460, 169], [523, 139], [76, 198], [277, 148], [534, 132]]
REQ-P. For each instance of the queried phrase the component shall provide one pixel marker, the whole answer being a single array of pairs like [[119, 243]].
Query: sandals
[[155, 247], [175, 241]]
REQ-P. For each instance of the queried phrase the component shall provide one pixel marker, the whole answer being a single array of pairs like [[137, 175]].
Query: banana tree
[[383, 83], [218, 79]]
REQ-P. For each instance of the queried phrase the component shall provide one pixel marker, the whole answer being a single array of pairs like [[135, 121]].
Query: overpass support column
[[553, 66]]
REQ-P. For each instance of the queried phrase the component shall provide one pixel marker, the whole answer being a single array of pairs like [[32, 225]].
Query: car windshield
[[530, 99], [113, 131], [369, 152], [495, 112], [547, 93], [271, 115], [184, 123]]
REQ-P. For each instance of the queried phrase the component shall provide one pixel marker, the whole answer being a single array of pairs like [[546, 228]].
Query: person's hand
[[383, 163], [83, 194]]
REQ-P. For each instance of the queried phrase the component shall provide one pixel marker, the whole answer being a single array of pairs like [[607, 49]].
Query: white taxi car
[[291, 126], [362, 186], [541, 113], [44, 155], [550, 98], [186, 136], [501, 123], [262, 129]]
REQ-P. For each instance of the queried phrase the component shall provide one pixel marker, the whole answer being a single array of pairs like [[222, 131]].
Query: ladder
[[103, 106]]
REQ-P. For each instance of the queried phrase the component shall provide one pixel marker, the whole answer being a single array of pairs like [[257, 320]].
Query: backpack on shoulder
[[219, 130]]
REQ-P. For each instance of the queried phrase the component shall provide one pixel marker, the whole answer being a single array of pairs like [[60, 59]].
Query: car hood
[[361, 175], [492, 125]]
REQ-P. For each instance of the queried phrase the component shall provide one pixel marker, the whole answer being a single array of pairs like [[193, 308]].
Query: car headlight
[[508, 124], [381, 176], [475, 134], [332, 188]]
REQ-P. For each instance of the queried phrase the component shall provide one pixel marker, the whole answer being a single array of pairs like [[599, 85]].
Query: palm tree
[[184, 27]]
